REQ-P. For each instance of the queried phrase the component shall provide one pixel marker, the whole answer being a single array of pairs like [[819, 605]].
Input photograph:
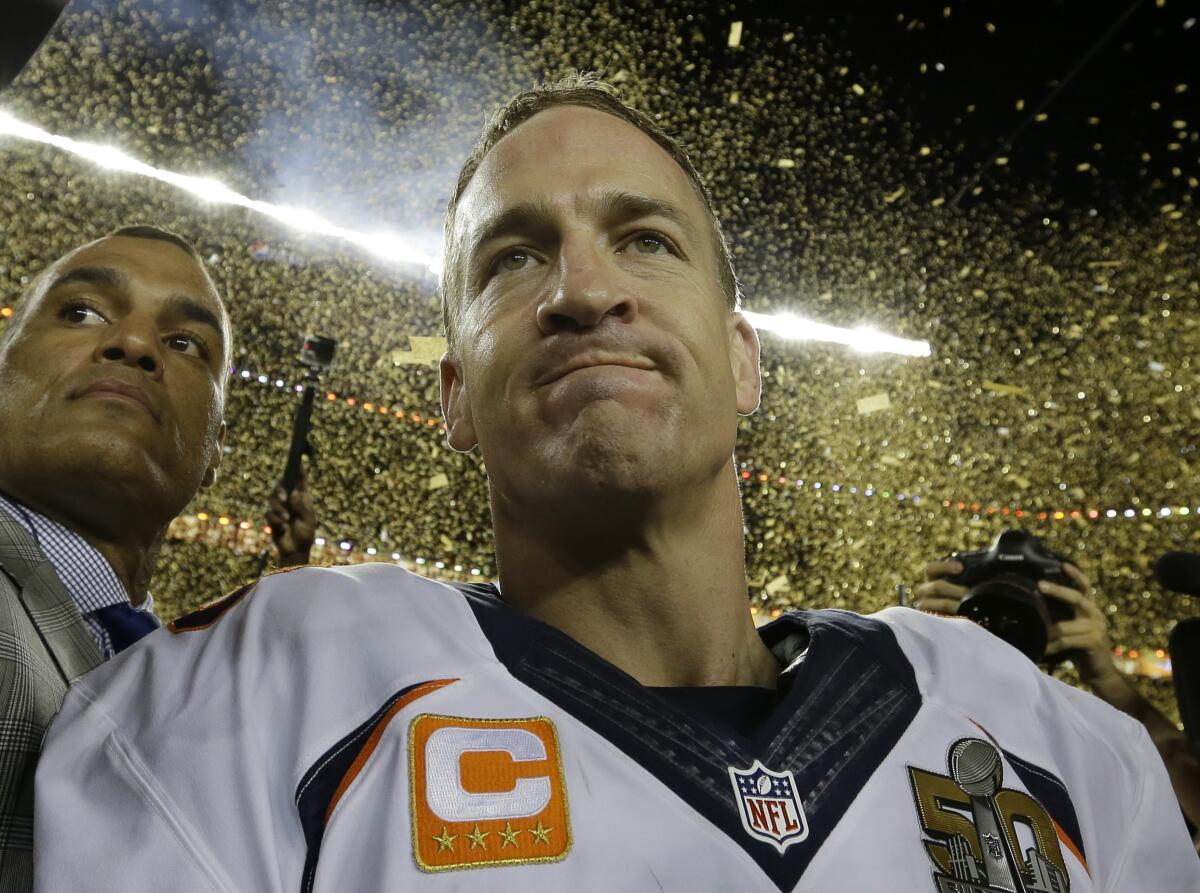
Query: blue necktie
[[125, 624]]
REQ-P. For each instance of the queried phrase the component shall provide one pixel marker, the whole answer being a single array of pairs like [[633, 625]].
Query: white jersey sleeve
[[1155, 855], [182, 747], [1135, 834]]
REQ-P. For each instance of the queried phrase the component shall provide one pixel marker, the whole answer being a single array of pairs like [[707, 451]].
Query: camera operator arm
[[299, 445], [1087, 636], [293, 523]]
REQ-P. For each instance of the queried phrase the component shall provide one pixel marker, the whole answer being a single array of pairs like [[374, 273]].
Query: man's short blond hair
[[587, 91]]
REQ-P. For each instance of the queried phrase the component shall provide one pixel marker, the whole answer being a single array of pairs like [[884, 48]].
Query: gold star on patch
[[445, 840], [508, 835], [540, 834], [478, 839]]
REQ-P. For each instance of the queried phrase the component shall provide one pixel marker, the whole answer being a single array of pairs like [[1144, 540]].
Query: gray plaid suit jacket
[[44, 646]]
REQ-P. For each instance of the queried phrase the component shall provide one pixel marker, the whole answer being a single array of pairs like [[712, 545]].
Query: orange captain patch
[[486, 792]]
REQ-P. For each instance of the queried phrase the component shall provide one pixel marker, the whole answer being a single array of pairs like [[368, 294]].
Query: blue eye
[[512, 261], [651, 243]]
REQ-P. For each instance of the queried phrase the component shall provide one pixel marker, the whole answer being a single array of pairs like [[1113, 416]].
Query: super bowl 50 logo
[[981, 837]]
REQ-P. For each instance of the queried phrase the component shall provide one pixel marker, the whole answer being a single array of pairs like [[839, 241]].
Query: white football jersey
[[364, 729]]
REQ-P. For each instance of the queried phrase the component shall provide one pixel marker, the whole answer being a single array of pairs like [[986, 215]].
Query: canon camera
[[1003, 596]]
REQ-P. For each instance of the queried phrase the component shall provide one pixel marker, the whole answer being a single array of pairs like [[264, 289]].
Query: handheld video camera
[[1003, 596]]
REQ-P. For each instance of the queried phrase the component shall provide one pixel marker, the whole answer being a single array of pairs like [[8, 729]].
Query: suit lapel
[[46, 601]]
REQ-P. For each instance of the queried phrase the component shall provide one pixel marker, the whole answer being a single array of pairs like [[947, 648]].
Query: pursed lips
[[587, 362], [114, 387]]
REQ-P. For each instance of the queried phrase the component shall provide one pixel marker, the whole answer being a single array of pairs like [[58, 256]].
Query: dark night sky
[[994, 54]]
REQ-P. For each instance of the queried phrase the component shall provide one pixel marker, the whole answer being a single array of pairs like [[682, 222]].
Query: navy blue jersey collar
[[849, 701]]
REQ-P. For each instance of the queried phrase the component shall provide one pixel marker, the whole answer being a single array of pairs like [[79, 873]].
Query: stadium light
[[386, 245], [393, 247], [862, 338]]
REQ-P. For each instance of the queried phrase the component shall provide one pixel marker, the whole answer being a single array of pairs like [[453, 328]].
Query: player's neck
[[664, 599]]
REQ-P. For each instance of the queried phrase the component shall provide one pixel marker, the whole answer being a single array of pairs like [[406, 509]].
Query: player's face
[[115, 374], [594, 347]]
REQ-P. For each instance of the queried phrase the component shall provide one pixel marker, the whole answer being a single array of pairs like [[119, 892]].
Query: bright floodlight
[[865, 339], [385, 245], [393, 247]]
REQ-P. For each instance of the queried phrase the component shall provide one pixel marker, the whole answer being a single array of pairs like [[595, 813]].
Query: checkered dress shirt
[[86, 574]]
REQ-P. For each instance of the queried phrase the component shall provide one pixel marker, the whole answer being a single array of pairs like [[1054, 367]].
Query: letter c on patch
[[451, 802]]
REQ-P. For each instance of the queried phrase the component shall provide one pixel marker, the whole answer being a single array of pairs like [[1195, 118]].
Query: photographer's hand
[[938, 595], [1086, 633], [293, 522]]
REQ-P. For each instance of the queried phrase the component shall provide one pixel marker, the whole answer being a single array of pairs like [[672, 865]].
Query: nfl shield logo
[[770, 809]]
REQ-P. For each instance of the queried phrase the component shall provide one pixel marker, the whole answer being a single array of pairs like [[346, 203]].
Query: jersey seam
[[1119, 867], [140, 773], [396, 683], [313, 773]]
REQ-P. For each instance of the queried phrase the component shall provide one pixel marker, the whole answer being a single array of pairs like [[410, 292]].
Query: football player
[[605, 717]]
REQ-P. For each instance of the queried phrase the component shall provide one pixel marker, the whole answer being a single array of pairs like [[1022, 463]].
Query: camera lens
[[1011, 608]]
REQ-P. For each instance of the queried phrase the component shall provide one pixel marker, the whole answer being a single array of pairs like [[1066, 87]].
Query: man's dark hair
[[146, 231], [587, 91]]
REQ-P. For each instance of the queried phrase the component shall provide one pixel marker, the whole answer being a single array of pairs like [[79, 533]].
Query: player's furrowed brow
[[622, 206], [523, 218], [106, 276]]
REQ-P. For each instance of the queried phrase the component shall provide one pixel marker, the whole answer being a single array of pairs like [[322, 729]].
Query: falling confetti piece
[[874, 403]]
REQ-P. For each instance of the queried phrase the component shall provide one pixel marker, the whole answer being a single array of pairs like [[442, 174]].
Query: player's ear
[[744, 362], [210, 473], [460, 427]]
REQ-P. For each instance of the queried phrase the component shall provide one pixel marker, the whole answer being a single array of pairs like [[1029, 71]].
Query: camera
[[1003, 596], [316, 352]]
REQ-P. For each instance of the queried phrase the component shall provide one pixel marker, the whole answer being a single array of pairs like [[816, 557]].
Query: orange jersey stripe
[[210, 612], [1070, 844], [420, 691]]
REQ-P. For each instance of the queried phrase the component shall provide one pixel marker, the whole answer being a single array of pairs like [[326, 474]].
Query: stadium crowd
[[1060, 395]]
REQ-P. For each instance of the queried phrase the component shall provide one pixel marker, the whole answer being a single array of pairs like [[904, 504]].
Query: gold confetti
[[1004, 389], [778, 584], [874, 403]]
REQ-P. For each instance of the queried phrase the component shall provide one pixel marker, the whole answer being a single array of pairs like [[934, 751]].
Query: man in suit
[[112, 373]]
